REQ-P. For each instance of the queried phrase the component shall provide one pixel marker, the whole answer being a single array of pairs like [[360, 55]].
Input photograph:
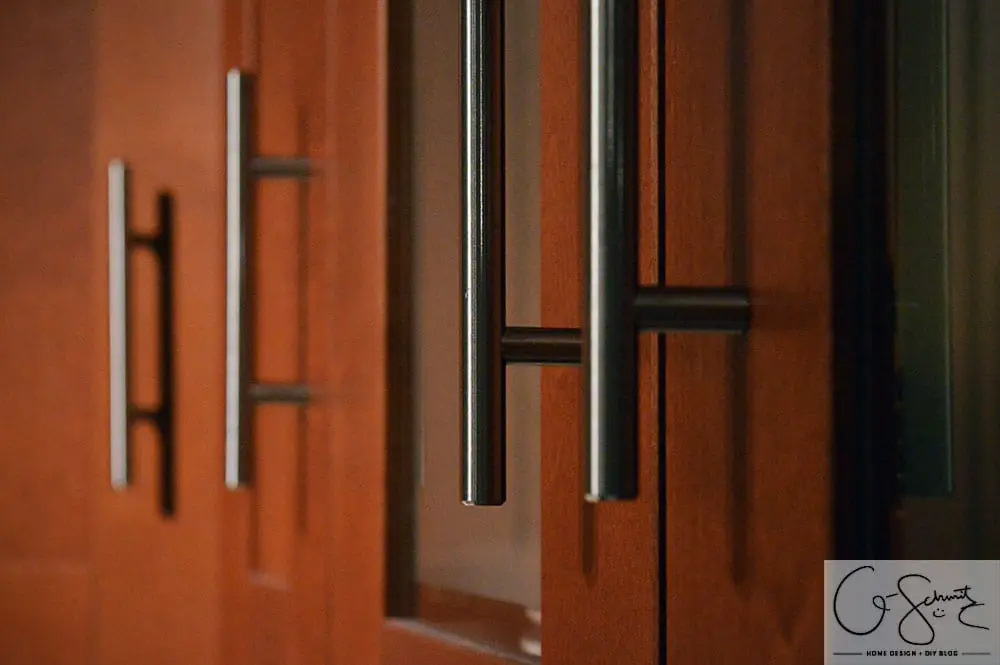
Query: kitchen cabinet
[[49, 333], [719, 554], [157, 101], [322, 367], [252, 554], [274, 511], [122, 541]]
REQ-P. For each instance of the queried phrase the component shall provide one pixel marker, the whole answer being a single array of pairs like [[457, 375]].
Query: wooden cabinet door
[[91, 574], [49, 288], [158, 104], [88, 572], [749, 422], [720, 559], [272, 530], [418, 577]]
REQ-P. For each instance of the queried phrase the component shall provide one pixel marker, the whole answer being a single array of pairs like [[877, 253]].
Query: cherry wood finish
[[720, 559], [736, 156], [407, 641], [274, 606], [357, 199], [600, 563], [482, 620], [158, 104], [88, 574], [749, 430], [48, 287], [600, 592]]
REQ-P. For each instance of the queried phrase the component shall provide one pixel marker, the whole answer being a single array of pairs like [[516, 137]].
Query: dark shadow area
[[162, 418], [739, 175], [403, 457], [863, 300]]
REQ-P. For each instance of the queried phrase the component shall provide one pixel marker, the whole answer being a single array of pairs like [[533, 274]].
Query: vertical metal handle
[[118, 342], [609, 332], [243, 168], [238, 216], [123, 414], [483, 380], [617, 308]]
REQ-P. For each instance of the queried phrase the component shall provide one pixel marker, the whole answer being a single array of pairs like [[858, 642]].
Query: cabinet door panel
[[600, 561], [734, 156], [48, 290], [158, 107], [597, 563], [275, 595], [749, 478]]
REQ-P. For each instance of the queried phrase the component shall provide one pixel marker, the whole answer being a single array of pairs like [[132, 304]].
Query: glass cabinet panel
[[471, 572]]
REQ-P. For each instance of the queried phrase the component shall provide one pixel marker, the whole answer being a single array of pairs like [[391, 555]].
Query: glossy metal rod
[[279, 393], [609, 331], [693, 309], [541, 346], [281, 167], [483, 381], [118, 294], [239, 114]]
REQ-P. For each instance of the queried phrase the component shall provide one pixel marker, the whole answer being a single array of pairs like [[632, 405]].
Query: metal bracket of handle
[[243, 167], [617, 309], [123, 413]]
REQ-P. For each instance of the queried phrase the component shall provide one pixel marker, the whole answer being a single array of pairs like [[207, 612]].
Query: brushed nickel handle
[[609, 330], [616, 307], [483, 381], [243, 168], [118, 339], [122, 413]]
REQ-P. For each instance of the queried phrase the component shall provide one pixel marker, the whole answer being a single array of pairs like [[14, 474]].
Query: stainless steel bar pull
[[243, 168], [122, 413], [483, 422], [617, 309], [609, 332], [118, 341]]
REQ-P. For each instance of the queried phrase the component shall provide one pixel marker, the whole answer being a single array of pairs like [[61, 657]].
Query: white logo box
[[914, 612]]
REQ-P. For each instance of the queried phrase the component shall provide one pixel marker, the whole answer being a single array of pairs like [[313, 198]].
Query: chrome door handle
[[617, 309], [243, 167], [118, 342], [122, 413], [483, 381]]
